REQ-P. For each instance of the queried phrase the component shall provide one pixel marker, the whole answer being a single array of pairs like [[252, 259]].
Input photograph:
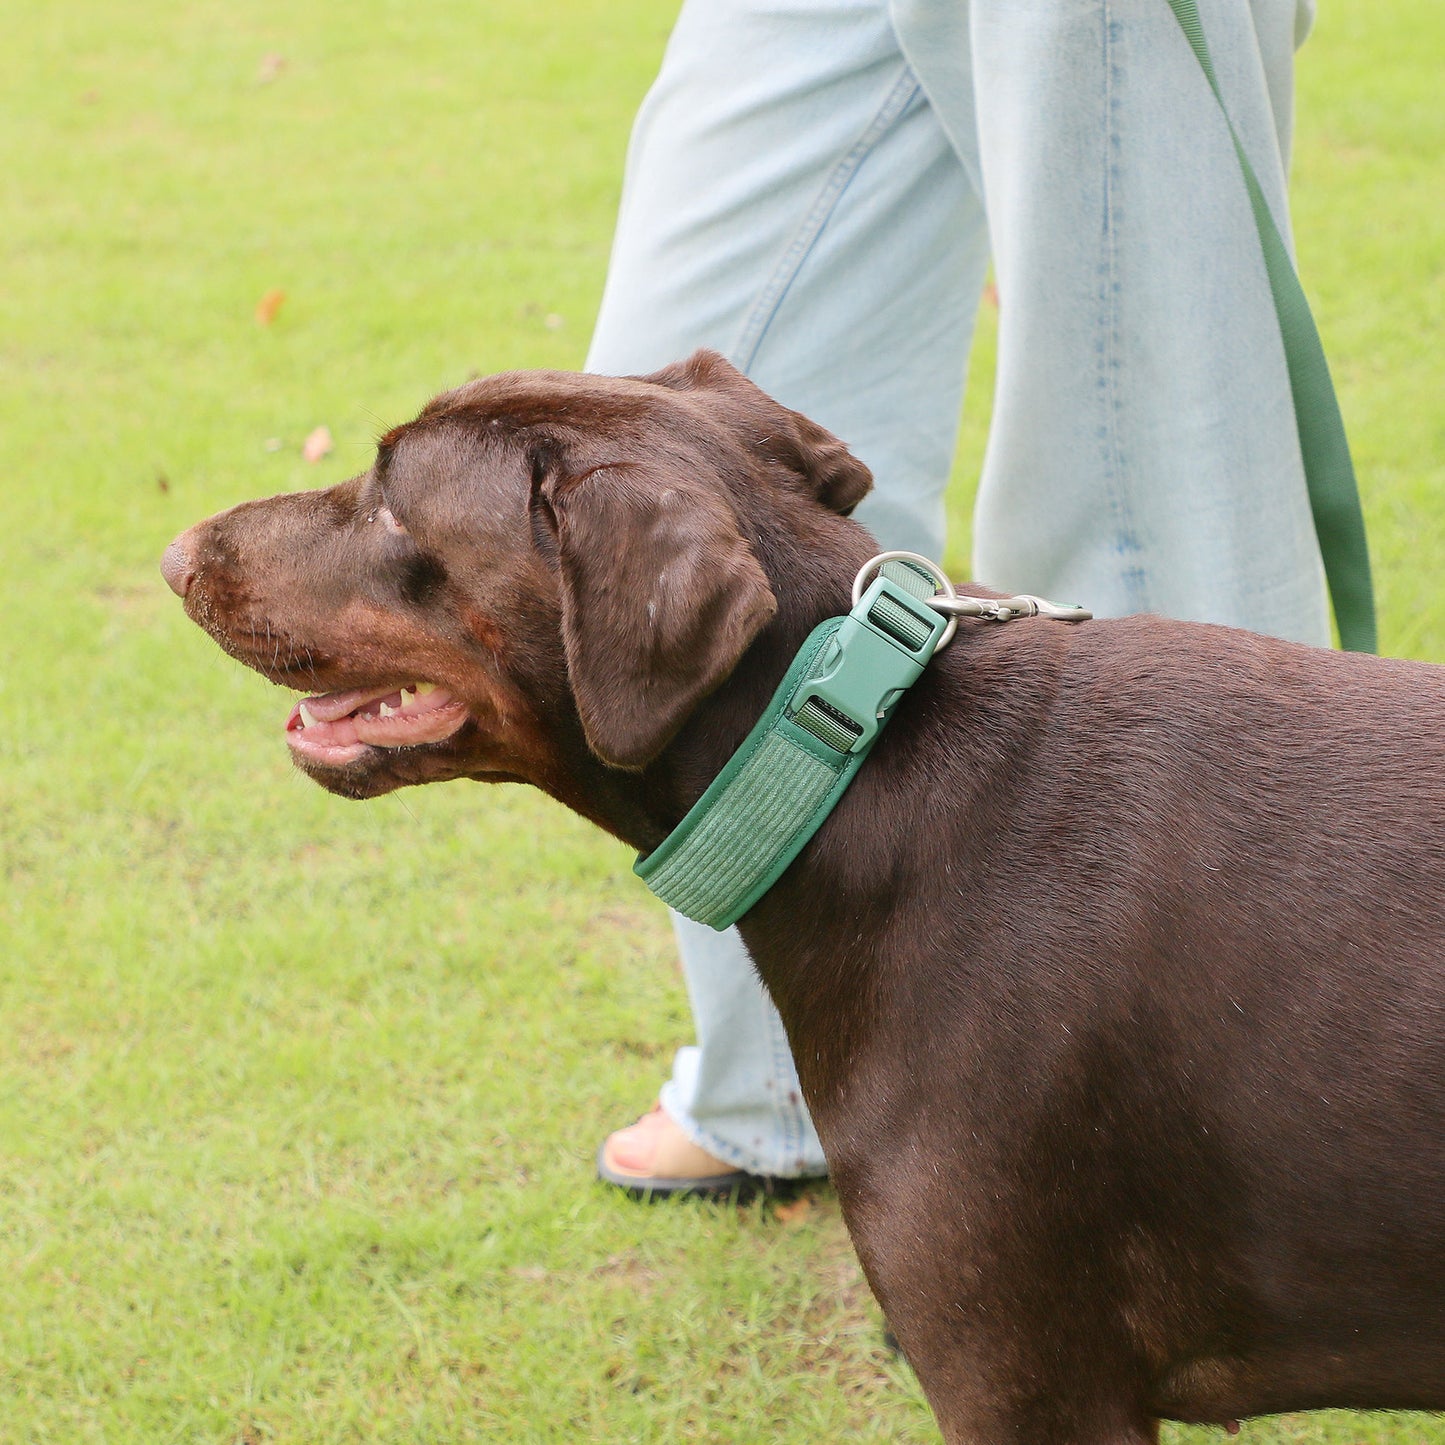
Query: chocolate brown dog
[[1116, 981]]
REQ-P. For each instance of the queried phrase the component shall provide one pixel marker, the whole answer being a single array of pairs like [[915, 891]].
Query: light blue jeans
[[815, 188]]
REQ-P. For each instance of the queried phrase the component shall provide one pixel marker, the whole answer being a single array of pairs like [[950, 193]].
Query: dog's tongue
[[330, 707], [333, 706], [337, 727]]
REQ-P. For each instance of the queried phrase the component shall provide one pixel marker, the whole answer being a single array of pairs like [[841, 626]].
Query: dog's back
[[1164, 949]]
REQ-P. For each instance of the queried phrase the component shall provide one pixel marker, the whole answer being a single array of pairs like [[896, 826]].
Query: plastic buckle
[[873, 659]]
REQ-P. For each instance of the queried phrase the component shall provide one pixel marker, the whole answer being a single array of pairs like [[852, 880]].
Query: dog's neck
[[831, 978], [812, 578], [831, 974]]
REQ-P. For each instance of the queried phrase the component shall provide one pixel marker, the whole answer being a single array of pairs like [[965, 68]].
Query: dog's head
[[536, 552]]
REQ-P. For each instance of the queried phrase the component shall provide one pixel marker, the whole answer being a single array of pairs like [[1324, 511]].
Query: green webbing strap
[[1329, 474], [780, 785]]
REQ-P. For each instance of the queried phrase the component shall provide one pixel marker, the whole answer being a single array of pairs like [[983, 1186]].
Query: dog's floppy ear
[[829, 472], [661, 595]]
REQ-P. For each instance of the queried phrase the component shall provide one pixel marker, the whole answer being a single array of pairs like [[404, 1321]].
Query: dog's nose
[[178, 568]]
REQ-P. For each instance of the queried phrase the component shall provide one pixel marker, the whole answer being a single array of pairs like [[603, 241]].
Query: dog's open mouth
[[338, 727]]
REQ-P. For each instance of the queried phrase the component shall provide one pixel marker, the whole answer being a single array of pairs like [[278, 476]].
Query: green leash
[[1329, 473]]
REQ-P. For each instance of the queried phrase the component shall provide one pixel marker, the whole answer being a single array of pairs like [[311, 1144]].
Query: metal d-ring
[[866, 571]]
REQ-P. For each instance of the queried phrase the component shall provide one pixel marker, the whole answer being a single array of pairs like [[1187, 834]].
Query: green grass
[[298, 1097]]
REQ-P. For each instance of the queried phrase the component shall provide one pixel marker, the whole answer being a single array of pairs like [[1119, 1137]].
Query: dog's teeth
[[407, 698], [390, 711], [422, 688], [308, 719]]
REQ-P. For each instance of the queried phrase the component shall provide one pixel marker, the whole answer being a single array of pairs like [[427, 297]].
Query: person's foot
[[654, 1159]]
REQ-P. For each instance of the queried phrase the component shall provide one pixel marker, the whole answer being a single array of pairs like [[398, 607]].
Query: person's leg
[[791, 201], [1143, 454], [1143, 451]]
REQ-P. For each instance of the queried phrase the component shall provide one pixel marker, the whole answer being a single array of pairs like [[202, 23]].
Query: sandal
[[654, 1159]]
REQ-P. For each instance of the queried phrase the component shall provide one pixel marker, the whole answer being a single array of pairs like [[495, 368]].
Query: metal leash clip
[[1005, 609], [946, 598]]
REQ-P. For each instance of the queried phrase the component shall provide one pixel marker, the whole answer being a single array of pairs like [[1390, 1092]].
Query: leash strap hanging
[[1329, 473], [780, 785]]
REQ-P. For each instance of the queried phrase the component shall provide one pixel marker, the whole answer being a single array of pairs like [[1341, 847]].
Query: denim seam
[[770, 298], [790, 1113], [1134, 581]]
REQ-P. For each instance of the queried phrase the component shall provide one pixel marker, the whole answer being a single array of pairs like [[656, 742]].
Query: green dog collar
[[780, 785]]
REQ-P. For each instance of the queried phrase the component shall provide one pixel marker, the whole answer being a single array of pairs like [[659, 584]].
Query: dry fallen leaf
[[795, 1212], [268, 306], [317, 445]]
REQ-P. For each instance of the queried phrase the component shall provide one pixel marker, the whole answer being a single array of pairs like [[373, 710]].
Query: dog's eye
[[387, 520]]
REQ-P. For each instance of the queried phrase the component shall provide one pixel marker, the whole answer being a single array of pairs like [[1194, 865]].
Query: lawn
[[298, 1097]]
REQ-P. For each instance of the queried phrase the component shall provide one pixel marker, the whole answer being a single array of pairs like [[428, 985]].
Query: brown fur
[[1116, 981]]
